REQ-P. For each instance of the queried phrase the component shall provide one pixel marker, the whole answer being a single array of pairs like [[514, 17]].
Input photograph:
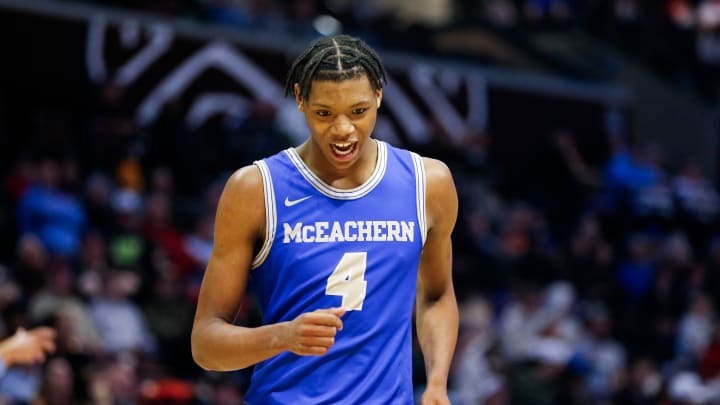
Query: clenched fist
[[312, 333]]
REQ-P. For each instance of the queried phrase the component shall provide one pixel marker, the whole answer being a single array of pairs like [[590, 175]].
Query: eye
[[323, 113], [359, 111]]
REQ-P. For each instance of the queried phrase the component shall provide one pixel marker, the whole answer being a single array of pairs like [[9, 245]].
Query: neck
[[341, 178]]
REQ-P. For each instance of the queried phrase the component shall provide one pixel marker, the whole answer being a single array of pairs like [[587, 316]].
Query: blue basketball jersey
[[359, 249]]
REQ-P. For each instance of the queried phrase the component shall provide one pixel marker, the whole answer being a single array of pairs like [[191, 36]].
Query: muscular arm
[[436, 307], [218, 344]]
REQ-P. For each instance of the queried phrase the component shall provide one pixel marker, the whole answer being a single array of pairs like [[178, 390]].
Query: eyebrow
[[359, 103]]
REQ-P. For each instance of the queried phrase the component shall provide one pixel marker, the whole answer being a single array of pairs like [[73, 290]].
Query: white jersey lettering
[[349, 231]]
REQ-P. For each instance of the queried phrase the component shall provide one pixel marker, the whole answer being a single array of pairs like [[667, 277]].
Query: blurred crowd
[[105, 242], [605, 293], [677, 39], [601, 285], [602, 289]]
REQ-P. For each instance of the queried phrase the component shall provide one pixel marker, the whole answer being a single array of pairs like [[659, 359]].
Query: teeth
[[343, 148]]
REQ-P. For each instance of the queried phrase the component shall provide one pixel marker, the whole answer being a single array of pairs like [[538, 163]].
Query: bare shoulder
[[244, 186], [438, 178], [436, 170], [441, 196], [245, 180], [242, 202]]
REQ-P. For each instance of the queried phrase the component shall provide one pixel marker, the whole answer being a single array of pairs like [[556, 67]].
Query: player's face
[[341, 117]]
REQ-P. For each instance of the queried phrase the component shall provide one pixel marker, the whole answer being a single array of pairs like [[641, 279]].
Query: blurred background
[[584, 137]]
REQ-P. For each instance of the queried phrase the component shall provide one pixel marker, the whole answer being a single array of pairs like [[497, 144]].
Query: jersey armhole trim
[[270, 215], [420, 194]]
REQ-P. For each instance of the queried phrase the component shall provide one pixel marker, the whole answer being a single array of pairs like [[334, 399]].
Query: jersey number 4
[[348, 280]]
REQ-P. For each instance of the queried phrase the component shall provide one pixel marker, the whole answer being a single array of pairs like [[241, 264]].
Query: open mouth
[[343, 149]]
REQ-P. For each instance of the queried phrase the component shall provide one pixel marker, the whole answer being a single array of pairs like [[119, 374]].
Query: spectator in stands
[[559, 321], [695, 330], [477, 379], [606, 357], [114, 380], [686, 388], [695, 194], [57, 291], [169, 316], [30, 267], [159, 229], [92, 262], [198, 244], [635, 182], [525, 248], [675, 280], [120, 322], [58, 385], [126, 246], [98, 202], [56, 216], [589, 260], [543, 377], [637, 272], [677, 253], [520, 322], [58, 300], [655, 335]]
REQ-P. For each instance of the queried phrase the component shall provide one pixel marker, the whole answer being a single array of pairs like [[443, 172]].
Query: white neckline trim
[[338, 193]]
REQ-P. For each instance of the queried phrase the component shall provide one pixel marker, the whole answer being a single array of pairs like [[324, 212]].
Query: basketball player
[[338, 238]]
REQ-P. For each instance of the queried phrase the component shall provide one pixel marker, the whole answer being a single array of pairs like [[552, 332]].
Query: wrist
[[436, 382], [278, 337]]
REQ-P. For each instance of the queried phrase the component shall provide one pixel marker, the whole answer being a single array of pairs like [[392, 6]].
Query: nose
[[342, 126]]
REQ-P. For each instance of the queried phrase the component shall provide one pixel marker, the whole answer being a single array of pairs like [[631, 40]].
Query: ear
[[378, 97], [298, 99]]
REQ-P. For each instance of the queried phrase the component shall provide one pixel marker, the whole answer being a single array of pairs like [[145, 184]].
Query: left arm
[[436, 307]]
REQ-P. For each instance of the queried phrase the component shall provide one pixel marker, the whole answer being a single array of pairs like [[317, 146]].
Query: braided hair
[[335, 58]]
